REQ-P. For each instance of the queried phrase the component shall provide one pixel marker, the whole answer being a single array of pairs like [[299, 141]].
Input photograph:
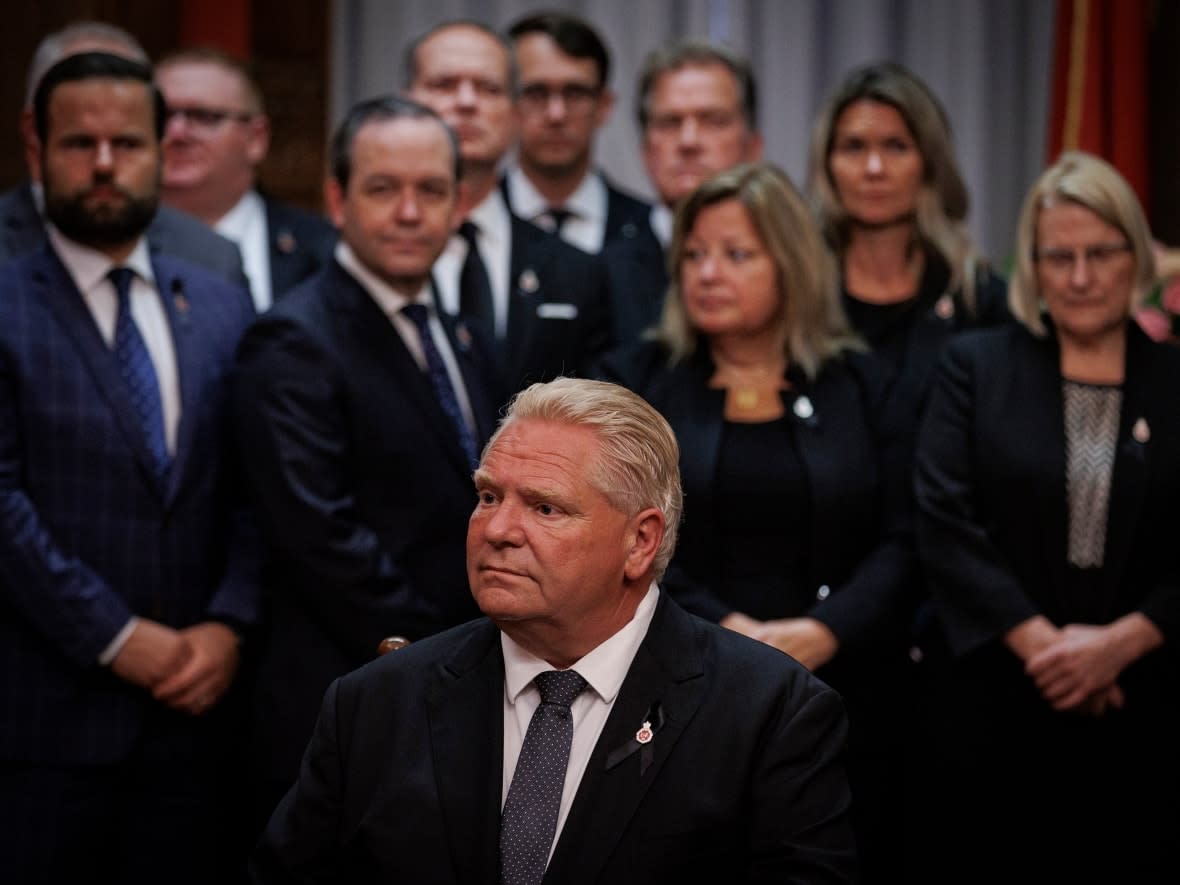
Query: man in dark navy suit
[[562, 102], [218, 134], [22, 225], [545, 303], [697, 106], [361, 409], [675, 750], [126, 570]]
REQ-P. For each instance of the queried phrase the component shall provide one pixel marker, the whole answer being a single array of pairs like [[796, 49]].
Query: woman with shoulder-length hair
[[891, 203], [795, 528], [1048, 475]]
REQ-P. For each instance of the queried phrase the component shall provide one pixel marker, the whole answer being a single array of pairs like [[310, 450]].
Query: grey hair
[[639, 460]]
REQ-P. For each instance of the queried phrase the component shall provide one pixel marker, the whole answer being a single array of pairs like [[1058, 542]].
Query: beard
[[100, 225]]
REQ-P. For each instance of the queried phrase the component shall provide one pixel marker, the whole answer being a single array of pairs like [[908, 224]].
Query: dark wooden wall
[[288, 46]]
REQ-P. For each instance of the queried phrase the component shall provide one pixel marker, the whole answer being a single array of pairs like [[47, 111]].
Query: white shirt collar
[[88, 267], [388, 299], [589, 200], [245, 224], [661, 223], [604, 668], [493, 220]]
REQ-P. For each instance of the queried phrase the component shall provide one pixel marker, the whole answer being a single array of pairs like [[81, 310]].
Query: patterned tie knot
[[559, 687], [121, 277]]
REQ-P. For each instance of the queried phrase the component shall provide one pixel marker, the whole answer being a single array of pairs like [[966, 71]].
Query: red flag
[[1100, 85]]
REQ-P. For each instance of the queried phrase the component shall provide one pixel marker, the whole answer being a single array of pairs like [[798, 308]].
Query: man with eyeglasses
[[218, 134], [22, 223], [563, 101], [543, 302], [697, 110]]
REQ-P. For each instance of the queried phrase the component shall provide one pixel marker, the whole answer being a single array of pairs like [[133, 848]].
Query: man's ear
[[644, 534], [334, 201]]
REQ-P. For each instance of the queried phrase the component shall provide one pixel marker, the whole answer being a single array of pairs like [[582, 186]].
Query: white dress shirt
[[494, 222], [661, 224], [589, 203], [391, 303], [88, 269], [245, 224], [604, 670]]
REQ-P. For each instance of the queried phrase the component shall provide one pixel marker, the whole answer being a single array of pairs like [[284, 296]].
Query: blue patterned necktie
[[529, 819], [135, 365], [441, 381]]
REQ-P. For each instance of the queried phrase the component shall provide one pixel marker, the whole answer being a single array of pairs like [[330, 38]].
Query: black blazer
[[991, 500], [301, 244], [170, 233], [362, 488], [862, 562], [559, 318], [403, 778]]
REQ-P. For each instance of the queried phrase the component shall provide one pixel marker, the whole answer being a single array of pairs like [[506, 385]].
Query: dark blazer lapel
[[188, 366], [1036, 412], [57, 289], [466, 714], [372, 329], [666, 681], [478, 377], [524, 292], [1131, 470], [24, 229]]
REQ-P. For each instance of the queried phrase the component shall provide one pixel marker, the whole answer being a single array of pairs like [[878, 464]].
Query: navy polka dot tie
[[444, 391], [529, 819], [135, 365]]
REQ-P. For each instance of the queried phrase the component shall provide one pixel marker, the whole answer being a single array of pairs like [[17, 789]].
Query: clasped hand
[[188, 669]]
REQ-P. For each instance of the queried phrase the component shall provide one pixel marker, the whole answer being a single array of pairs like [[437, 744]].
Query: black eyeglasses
[[209, 118], [577, 97]]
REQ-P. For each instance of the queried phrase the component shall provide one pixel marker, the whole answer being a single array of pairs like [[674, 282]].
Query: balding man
[[218, 134]]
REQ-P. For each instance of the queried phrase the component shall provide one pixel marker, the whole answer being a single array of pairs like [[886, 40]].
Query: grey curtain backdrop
[[989, 61]]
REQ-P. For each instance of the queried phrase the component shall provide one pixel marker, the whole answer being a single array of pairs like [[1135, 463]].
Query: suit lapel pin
[[528, 282], [463, 336], [1140, 431], [645, 734], [944, 307], [179, 301], [803, 408], [285, 242]]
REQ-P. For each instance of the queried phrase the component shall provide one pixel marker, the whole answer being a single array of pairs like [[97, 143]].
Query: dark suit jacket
[[362, 488], [742, 782], [992, 507], [301, 244], [171, 233], [559, 317], [88, 536], [637, 275], [861, 566]]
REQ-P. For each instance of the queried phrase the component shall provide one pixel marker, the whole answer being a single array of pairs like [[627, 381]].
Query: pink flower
[[1154, 322], [1171, 297]]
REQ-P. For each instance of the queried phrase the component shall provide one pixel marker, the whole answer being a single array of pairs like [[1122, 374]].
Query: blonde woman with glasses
[[1048, 475]]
